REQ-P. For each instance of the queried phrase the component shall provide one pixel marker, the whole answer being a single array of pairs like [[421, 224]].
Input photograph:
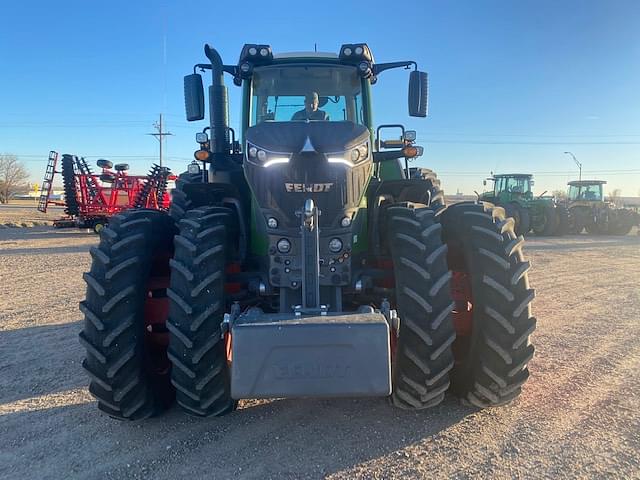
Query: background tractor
[[542, 214], [303, 257], [589, 210]]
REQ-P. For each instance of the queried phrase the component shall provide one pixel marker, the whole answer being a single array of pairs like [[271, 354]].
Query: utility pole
[[577, 163], [159, 135]]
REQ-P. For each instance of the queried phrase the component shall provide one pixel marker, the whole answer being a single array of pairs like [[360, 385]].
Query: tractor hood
[[308, 137], [287, 163]]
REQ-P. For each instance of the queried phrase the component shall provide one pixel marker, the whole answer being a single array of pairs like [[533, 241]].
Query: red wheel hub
[[463, 311], [156, 313]]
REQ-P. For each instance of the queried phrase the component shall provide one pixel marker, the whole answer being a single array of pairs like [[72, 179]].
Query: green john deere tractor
[[302, 257], [542, 214], [589, 210]]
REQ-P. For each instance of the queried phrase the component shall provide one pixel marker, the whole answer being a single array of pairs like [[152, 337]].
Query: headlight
[[352, 157], [265, 158]]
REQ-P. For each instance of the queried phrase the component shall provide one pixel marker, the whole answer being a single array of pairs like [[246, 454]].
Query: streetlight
[[577, 163]]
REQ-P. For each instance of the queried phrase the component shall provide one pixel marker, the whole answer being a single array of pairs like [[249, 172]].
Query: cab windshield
[[279, 93], [586, 192], [512, 184]]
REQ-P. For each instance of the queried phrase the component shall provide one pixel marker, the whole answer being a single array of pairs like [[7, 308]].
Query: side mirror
[[194, 97], [418, 94], [484, 183]]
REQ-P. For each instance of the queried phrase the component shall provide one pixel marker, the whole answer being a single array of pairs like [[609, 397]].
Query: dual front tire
[[463, 301], [144, 351], [155, 305]]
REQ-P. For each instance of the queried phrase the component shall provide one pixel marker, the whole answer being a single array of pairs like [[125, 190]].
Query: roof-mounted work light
[[252, 55], [355, 53], [358, 54]]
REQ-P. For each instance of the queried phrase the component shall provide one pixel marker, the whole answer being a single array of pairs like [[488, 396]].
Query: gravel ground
[[577, 417], [24, 213]]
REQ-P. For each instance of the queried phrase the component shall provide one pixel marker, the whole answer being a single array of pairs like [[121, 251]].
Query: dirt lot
[[578, 416], [24, 213]]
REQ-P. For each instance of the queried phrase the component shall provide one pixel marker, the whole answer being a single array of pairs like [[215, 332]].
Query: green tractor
[[589, 210], [302, 257], [542, 214]]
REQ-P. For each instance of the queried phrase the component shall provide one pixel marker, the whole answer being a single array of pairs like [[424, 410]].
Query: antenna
[[315, 47]]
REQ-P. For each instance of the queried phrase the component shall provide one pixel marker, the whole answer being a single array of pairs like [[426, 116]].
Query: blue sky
[[513, 84]]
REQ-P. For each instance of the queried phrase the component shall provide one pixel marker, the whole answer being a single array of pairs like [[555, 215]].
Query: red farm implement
[[90, 199]]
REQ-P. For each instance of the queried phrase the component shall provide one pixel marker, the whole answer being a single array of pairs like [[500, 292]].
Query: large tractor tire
[[69, 182], [549, 223], [520, 216], [621, 222], [422, 354], [578, 217], [492, 315], [563, 220], [597, 224], [197, 346], [435, 195], [125, 315], [180, 202]]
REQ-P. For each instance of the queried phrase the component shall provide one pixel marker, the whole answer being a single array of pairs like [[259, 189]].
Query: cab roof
[[513, 175], [580, 183], [286, 55]]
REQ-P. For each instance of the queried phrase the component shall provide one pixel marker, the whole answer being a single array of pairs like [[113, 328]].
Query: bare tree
[[12, 176], [614, 196], [559, 194]]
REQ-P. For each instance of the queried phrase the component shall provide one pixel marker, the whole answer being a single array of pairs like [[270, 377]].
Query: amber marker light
[[202, 155], [410, 151]]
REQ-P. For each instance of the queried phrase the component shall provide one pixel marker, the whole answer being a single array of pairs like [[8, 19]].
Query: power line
[[160, 135]]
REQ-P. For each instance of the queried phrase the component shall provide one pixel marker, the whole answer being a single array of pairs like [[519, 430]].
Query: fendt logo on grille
[[308, 187]]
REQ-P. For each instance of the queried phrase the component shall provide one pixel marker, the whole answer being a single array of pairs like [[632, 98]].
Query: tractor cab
[[586, 191], [513, 186]]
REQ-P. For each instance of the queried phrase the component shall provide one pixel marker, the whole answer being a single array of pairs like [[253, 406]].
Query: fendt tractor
[[589, 210], [542, 214], [304, 258]]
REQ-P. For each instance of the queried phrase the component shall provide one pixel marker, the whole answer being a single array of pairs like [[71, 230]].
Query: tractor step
[[320, 356]]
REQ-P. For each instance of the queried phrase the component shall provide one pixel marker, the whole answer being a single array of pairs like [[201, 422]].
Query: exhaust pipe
[[218, 104]]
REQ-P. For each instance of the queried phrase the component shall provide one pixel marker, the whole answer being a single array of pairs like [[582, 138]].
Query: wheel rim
[[156, 313]]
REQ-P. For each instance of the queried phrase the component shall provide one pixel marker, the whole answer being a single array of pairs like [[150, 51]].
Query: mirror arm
[[389, 155], [201, 66], [381, 67], [230, 69]]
